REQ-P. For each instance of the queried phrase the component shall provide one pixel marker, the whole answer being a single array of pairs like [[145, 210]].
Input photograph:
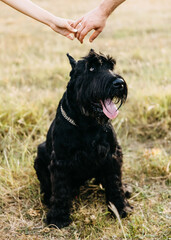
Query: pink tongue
[[109, 109]]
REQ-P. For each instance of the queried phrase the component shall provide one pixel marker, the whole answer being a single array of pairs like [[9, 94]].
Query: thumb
[[70, 28]]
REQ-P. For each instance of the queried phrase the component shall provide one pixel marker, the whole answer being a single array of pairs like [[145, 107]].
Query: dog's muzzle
[[115, 97]]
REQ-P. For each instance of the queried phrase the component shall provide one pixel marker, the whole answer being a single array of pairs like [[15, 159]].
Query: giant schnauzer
[[81, 143]]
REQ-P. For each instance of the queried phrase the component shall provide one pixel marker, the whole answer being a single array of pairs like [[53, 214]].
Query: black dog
[[81, 143]]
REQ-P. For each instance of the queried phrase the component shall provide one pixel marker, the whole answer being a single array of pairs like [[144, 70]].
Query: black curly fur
[[73, 154]]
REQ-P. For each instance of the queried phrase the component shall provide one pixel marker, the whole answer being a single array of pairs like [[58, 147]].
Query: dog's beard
[[102, 105]]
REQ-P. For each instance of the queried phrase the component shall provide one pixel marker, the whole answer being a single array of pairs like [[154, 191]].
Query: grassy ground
[[33, 75]]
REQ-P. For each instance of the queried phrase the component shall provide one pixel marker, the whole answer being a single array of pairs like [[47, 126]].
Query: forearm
[[108, 6], [30, 9]]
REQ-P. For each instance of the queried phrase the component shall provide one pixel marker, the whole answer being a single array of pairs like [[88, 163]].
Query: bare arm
[[95, 19], [59, 25]]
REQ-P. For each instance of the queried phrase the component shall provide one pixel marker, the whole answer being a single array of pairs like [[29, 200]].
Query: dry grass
[[33, 75]]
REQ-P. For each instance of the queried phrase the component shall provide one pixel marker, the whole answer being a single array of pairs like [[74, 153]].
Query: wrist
[[108, 6], [103, 11]]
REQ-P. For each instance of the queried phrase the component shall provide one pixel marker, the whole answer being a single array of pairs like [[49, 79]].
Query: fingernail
[[75, 30]]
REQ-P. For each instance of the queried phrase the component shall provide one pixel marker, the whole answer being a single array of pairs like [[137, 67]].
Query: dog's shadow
[[90, 200], [91, 190]]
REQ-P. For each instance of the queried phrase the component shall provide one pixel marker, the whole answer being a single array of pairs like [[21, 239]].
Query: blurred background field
[[34, 71]]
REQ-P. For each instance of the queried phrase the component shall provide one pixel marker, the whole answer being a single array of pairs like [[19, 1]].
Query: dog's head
[[94, 86]]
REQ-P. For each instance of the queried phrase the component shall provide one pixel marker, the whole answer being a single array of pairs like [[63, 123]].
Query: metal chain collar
[[70, 120]]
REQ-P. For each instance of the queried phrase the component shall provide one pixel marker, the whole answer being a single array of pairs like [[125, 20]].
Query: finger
[[94, 35], [70, 28], [77, 22], [69, 36], [80, 29], [72, 24], [83, 33]]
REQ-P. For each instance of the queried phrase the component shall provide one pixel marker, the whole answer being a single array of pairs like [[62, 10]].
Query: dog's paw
[[57, 221], [126, 211], [123, 212], [59, 224]]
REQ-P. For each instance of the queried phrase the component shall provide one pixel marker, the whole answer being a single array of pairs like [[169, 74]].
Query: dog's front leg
[[59, 213], [114, 189], [115, 194]]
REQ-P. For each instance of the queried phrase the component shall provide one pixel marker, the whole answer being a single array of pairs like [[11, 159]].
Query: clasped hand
[[93, 20]]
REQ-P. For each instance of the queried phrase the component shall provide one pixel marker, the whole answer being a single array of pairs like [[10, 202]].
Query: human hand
[[63, 27], [95, 19]]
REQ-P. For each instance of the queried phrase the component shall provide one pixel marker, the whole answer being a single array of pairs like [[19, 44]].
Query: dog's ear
[[92, 51], [72, 61]]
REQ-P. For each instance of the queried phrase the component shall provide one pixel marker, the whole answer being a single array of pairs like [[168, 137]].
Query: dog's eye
[[91, 69]]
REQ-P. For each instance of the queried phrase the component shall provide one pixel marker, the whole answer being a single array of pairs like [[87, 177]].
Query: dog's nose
[[118, 83]]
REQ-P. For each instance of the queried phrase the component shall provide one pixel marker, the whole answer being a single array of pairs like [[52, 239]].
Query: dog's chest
[[96, 139], [87, 147], [94, 136]]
